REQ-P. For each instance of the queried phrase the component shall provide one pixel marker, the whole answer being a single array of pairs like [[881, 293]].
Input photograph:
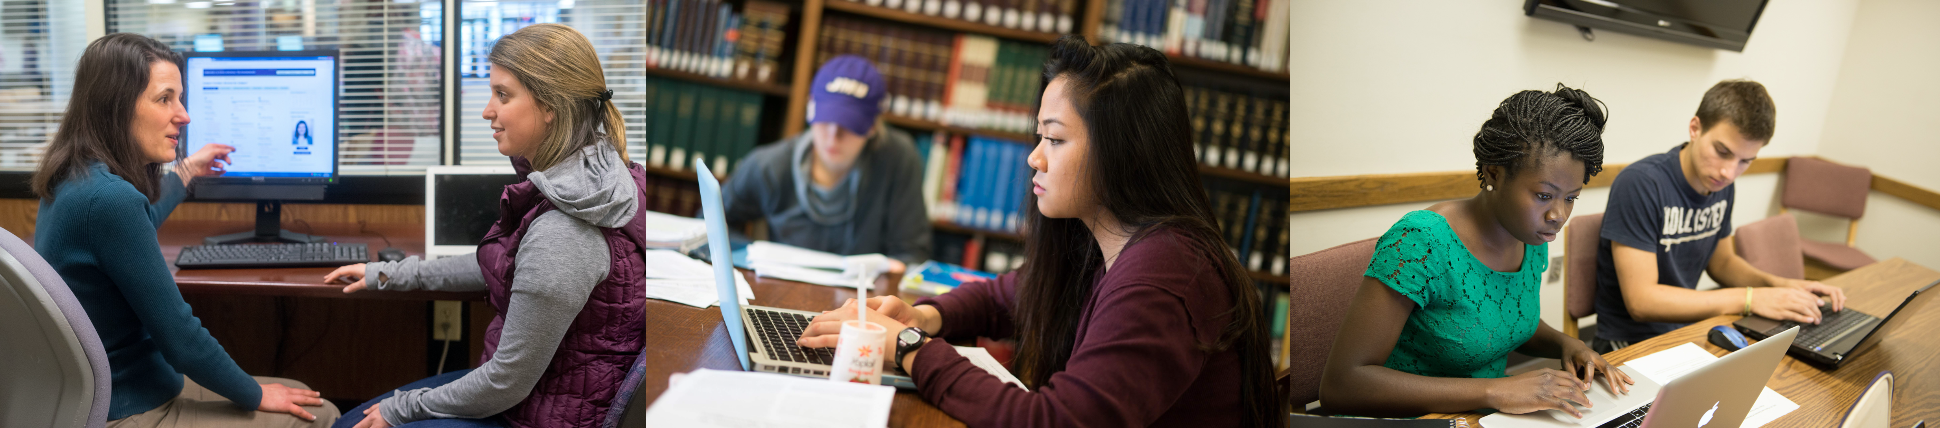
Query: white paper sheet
[[674, 277], [713, 398], [1669, 364], [982, 359]]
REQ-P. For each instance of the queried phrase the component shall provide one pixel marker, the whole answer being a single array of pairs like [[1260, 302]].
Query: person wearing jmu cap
[[847, 185]]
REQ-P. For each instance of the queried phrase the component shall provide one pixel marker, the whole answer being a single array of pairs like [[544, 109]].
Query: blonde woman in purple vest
[[561, 267]]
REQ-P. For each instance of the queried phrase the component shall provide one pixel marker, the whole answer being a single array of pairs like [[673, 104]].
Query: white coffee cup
[[859, 353]]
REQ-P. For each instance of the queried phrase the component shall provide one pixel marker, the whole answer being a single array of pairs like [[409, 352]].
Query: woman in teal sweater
[[1453, 288], [103, 194]]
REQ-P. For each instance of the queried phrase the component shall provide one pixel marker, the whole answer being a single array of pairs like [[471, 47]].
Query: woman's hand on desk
[[282, 399], [373, 419], [353, 274]]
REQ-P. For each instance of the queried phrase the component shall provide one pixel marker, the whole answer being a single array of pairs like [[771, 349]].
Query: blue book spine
[[1128, 20], [1252, 221], [967, 186], [1007, 195], [1023, 171], [986, 161], [999, 208]]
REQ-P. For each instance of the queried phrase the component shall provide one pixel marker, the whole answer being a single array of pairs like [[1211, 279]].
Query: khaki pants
[[199, 407]]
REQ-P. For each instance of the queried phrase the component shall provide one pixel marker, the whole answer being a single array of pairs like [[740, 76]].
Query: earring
[[1491, 187]]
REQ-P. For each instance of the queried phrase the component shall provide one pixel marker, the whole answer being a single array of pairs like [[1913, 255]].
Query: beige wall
[[1381, 89], [1885, 115]]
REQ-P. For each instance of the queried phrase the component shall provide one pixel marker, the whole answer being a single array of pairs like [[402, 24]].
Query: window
[[40, 40], [390, 102], [617, 30]]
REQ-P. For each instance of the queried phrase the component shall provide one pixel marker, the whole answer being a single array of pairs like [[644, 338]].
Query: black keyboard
[[1628, 420], [271, 255], [779, 331], [1814, 336]]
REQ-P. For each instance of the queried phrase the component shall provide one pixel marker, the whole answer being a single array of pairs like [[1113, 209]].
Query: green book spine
[[662, 132], [749, 127], [642, 134], [683, 129], [706, 108]]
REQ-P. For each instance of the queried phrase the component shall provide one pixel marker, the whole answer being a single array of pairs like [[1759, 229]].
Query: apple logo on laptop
[[1707, 415]]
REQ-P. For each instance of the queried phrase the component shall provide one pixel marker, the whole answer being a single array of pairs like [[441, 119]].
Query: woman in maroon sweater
[[1131, 311]]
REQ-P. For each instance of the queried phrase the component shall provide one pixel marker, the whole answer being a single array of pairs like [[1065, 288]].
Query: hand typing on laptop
[[889, 311]]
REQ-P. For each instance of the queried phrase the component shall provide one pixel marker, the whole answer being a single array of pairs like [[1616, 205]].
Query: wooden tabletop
[[1824, 397], [293, 282], [682, 338]]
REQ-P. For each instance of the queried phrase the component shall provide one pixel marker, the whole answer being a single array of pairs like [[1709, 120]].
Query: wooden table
[[682, 338], [1910, 351]]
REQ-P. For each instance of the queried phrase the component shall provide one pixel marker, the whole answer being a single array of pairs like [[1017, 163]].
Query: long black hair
[[98, 124], [1532, 124], [1141, 169]]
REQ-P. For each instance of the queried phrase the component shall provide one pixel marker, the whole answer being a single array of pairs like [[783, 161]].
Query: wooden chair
[[1321, 285], [1820, 186], [1580, 239], [1772, 245]]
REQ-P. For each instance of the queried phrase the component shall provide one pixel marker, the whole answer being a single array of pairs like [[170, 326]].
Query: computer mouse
[[390, 255], [1729, 339]]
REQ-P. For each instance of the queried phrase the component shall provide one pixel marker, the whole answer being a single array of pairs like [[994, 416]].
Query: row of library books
[[977, 252], [1254, 223], [708, 37], [687, 122], [1246, 32], [1044, 16], [975, 182], [1241, 131], [967, 80]]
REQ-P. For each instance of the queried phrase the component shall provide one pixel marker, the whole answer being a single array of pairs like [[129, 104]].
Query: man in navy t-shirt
[[1669, 221]]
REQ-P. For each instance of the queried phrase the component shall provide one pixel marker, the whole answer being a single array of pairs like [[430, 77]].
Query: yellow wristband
[[1747, 301]]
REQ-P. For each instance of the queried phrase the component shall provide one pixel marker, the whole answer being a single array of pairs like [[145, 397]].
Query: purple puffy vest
[[586, 371]]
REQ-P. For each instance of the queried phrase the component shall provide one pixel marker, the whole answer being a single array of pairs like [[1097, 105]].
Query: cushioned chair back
[[53, 371], [1321, 285], [630, 406], [1874, 409], [1772, 245], [1580, 240], [1820, 186]]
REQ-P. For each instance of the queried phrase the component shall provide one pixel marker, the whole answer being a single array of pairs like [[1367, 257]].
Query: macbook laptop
[[1718, 395], [764, 337], [1833, 340]]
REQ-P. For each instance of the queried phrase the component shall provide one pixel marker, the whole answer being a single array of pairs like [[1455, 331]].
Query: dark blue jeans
[[355, 415]]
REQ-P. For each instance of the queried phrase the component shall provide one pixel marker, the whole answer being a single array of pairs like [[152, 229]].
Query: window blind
[[389, 100], [40, 40], [615, 27]]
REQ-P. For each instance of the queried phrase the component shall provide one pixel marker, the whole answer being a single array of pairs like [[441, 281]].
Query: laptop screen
[[1913, 307], [717, 243]]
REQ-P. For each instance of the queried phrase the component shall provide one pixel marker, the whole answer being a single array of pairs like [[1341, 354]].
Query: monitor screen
[[279, 112], [467, 205]]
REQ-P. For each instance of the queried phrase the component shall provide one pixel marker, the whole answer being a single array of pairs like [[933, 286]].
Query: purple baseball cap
[[848, 92]]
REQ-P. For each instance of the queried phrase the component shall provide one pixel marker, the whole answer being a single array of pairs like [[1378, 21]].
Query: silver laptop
[[764, 337], [1719, 395]]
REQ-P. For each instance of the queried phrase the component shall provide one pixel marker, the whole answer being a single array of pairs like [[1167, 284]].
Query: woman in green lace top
[[1453, 288]]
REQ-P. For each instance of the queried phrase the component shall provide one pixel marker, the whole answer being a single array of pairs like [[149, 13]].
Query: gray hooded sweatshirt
[[561, 258]]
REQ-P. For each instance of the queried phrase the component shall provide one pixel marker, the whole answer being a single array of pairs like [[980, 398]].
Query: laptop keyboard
[[1814, 336], [779, 331], [1629, 420]]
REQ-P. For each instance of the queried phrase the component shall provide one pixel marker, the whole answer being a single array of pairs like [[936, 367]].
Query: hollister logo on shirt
[[847, 86], [1684, 225]]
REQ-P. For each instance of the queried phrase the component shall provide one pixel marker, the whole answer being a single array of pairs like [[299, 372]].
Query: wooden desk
[[286, 322], [682, 338], [1911, 351], [293, 282]]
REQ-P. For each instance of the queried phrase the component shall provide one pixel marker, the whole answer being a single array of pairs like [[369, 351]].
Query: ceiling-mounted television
[[1722, 24]]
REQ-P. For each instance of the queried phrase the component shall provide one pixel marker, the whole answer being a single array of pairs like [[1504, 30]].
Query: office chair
[[55, 370]]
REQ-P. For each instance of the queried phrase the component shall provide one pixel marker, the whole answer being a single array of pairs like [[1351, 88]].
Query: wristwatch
[[907, 341]]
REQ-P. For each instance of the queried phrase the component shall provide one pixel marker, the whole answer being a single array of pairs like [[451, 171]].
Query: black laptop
[[1835, 338]]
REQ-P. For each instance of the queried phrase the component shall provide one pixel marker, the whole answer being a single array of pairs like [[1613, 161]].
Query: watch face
[[908, 336]]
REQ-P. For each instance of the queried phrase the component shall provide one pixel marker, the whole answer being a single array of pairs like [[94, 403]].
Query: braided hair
[[1530, 124]]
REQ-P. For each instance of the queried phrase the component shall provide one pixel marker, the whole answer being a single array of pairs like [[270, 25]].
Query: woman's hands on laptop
[[889, 311], [1544, 389], [1586, 364]]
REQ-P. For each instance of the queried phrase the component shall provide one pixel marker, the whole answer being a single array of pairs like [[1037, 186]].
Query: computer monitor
[[460, 205], [279, 110]]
